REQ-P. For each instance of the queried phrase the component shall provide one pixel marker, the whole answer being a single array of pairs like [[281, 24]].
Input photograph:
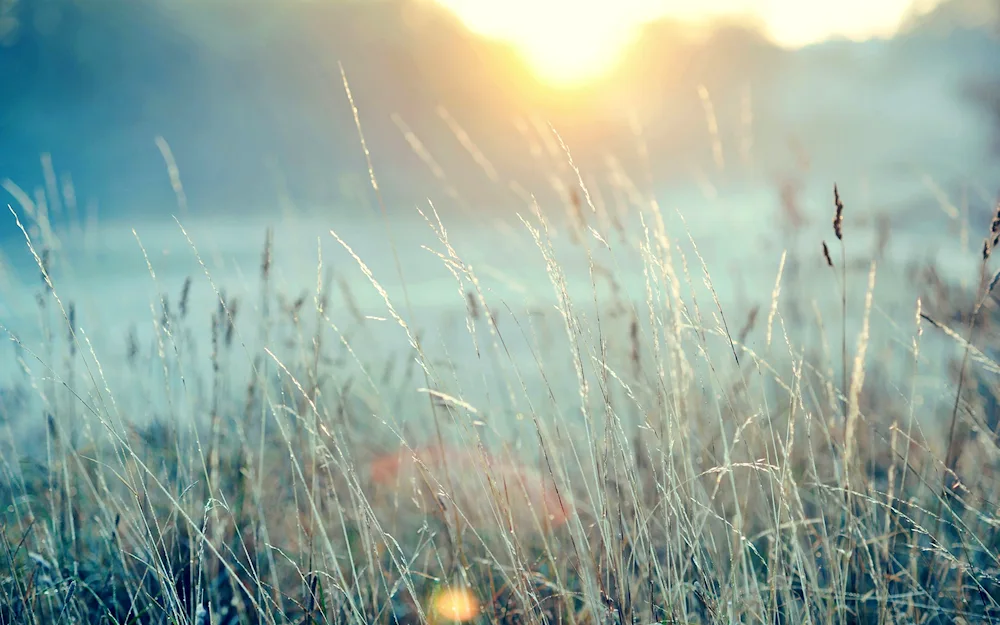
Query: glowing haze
[[569, 42]]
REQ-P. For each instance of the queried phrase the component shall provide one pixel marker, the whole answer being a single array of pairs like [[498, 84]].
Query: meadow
[[628, 450], [689, 385]]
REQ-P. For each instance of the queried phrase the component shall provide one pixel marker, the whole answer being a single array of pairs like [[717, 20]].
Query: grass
[[695, 476]]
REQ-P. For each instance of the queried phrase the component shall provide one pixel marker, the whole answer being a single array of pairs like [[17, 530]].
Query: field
[[628, 449], [617, 391]]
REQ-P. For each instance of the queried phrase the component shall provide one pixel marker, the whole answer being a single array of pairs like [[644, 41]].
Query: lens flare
[[455, 604]]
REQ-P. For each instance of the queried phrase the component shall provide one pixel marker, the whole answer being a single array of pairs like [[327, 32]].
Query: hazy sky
[[569, 40]]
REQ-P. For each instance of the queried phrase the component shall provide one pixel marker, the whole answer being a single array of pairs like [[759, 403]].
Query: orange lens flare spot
[[455, 604]]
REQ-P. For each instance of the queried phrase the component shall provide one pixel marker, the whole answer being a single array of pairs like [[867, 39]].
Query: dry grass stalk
[[722, 501]]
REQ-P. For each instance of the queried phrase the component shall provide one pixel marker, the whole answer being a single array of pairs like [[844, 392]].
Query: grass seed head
[[994, 237], [838, 218]]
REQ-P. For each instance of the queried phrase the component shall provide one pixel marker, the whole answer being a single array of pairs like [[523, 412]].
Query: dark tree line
[[64, 49]]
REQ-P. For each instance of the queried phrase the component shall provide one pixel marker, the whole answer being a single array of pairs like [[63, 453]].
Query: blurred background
[[249, 97], [232, 117]]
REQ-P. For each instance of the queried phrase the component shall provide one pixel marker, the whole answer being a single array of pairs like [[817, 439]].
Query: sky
[[567, 42]]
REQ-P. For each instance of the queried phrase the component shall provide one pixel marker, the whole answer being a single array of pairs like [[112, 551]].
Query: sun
[[566, 43]]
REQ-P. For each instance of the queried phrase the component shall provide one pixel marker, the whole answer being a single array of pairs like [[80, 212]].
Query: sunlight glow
[[571, 42], [566, 42]]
